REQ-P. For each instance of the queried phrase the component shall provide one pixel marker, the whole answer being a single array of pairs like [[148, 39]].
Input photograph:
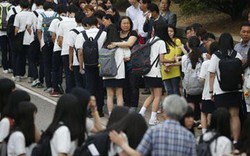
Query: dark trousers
[[70, 80], [80, 79], [94, 84], [6, 54], [35, 59], [47, 51], [56, 70], [131, 89]]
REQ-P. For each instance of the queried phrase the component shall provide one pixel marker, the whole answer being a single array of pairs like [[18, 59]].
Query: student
[[67, 126], [113, 11], [153, 79], [166, 13], [94, 85], [88, 10], [63, 34], [133, 11], [56, 56], [171, 71], [34, 54], [46, 46], [10, 112], [128, 39], [23, 136], [4, 40], [187, 120], [6, 87], [226, 99], [22, 39], [80, 80], [207, 105], [117, 114]]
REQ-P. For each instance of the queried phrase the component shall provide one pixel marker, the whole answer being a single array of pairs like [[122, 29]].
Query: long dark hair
[[68, 111], [133, 125], [117, 114], [174, 28], [161, 31], [196, 55], [6, 87], [220, 122], [189, 113], [15, 98], [226, 43], [25, 121]]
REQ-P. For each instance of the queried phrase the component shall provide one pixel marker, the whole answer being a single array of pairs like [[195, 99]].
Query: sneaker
[[39, 85], [133, 109], [10, 71], [5, 71], [30, 80], [61, 91], [47, 90], [18, 79], [13, 78], [153, 122], [35, 83], [54, 94]]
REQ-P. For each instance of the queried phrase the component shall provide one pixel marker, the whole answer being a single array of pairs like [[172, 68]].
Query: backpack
[[43, 146], [3, 145], [10, 25], [230, 71], [77, 32], [140, 58], [191, 82], [3, 14], [107, 62], [96, 145], [203, 148], [90, 49], [45, 26]]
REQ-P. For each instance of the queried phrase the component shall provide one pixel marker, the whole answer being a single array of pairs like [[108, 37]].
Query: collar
[[145, 13], [245, 44], [164, 13], [157, 18]]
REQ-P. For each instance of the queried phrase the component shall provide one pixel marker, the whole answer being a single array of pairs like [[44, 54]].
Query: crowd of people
[[206, 79]]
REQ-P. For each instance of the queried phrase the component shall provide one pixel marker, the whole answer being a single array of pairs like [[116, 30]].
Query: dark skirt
[[194, 98], [153, 82], [207, 106], [113, 83], [227, 100]]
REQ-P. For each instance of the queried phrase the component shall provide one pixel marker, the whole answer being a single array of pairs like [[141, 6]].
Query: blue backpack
[[45, 26]]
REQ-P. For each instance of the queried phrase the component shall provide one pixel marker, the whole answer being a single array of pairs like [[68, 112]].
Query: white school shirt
[[61, 142], [214, 68], [4, 4], [132, 12], [21, 22], [219, 147], [71, 42], [64, 30], [54, 28], [4, 128], [40, 20], [16, 145], [205, 74], [139, 22], [11, 12], [157, 48], [90, 33]]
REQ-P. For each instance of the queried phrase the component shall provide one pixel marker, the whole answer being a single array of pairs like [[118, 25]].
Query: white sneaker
[[153, 122], [10, 71], [18, 79], [30, 80], [5, 71]]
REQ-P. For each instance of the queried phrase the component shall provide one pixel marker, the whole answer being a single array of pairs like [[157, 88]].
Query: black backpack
[[3, 14], [230, 71], [90, 49], [203, 148], [99, 141], [140, 58], [10, 25]]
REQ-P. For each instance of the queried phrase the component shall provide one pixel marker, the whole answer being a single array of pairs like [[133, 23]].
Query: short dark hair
[[213, 48], [168, 2], [153, 7], [48, 5], [39, 2], [61, 9], [208, 35], [92, 21], [201, 32], [99, 14], [79, 17], [146, 1], [72, 9], [24, 4], [245, 24], [130, 21], [188, 28], [108, 16], [196, 26]]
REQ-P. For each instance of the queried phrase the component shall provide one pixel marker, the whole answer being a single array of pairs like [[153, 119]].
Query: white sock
[[204, 130], [234, 142], [143, 110], [153, 116], [109, 113]]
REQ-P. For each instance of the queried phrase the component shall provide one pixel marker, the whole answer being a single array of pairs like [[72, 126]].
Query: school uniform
[[94, 82], [132, 12], [153, 78], [223, 98], [64, 30], [80, 79]]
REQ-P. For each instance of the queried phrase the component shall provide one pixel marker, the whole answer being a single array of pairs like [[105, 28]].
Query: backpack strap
[[43, 15], [85, 35], [210, 140], [14, 10], [153, 41], [98, 35], [36, 13], [75, 31]]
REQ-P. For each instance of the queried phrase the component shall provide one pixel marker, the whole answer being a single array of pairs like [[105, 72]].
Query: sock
[[204, 130], [142, 111], [153, 116], [109, 113]]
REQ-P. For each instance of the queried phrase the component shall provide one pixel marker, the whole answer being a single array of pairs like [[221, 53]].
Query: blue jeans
[[172, 85]]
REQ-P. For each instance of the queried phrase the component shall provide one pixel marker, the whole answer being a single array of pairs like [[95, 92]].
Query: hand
[[82, 71], [126, 59], [71, 66], [181, 46], [212, 97], [116, 138], [111, 46], [92, 104], [148, 16]]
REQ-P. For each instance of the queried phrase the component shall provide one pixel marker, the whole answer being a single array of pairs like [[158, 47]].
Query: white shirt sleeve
[[39, 22], [162, 48], [183, 62], [203, 72], [89, 125], [70, 40], [213, 63], [79, 41], [4, 128], [16, 21], [62, 140], [60, 30], [53, 26], [18, 143]]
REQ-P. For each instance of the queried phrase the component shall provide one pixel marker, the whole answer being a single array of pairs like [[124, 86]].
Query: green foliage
[[192, 6]]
